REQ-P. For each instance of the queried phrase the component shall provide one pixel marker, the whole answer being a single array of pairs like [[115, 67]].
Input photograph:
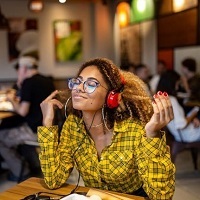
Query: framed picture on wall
[[22, 38], [68, 40]]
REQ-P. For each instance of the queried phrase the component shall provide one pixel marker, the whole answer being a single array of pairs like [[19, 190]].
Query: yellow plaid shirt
[[129, 162]]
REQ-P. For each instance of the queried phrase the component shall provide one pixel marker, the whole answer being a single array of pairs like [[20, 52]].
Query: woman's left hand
[[163, 114]]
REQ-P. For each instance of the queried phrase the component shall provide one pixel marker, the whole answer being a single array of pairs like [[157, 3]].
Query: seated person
[[189, 71], [183, 128], [191, 82], [34, 89], [111, 135], [161, 68]]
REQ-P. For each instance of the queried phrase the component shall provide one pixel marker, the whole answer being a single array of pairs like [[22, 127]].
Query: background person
[[185, 128], [111, 135], [191, 78], [34, 89], [161, 68]]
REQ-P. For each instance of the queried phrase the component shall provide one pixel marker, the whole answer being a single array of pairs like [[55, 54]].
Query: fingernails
[[155, 96], [160, 93], [165, 94]]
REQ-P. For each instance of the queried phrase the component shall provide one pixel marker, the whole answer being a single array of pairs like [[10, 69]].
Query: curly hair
[[135, 102]]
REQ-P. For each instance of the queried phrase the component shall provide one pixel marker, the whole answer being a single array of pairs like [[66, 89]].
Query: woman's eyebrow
[[93, 78], [89, 78]]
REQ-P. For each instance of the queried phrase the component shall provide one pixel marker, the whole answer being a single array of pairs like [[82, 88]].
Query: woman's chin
[[78, 106]]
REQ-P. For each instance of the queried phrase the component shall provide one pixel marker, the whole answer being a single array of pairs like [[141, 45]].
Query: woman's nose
[[80, 87]]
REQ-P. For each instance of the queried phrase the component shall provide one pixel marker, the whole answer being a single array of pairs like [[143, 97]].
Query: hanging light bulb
[[62, 1], [35, 5], [141, 5], [123, 11]]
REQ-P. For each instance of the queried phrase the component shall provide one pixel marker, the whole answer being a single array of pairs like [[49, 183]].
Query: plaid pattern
[[130, 161]]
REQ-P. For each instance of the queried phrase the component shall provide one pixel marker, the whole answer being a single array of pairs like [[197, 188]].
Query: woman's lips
[[78, 97]]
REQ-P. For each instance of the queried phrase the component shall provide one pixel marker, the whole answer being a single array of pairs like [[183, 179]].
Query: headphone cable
[[87, 131]]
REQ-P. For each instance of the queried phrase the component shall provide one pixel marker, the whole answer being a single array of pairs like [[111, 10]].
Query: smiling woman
[[111, 134]]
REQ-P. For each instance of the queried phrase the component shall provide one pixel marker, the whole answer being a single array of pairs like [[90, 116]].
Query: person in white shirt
[[183, 128], [161, 68]]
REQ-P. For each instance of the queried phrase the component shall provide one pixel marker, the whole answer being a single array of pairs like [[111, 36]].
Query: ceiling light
[[123, 11], [62, 1], [35, 5]]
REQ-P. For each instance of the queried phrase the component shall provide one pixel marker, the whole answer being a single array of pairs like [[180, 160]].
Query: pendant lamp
[[36, 5]]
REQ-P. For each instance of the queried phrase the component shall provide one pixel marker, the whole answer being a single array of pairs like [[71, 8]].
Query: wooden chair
[[177, 147]]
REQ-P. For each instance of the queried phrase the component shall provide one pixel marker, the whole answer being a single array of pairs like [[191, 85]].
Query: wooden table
[[6, 114], [192, 103], [34, 185]]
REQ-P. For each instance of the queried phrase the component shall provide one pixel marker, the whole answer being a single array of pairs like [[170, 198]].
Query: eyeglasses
[[38, 196], [89, 85]]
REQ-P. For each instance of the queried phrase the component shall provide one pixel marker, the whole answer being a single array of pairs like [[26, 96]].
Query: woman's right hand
[[48, 106]]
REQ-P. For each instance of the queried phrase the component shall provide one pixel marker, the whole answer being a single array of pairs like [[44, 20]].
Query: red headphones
[[113, 99], [113, 96]]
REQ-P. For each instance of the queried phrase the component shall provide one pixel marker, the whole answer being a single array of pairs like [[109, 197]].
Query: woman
[[183, 128], [111, 135]]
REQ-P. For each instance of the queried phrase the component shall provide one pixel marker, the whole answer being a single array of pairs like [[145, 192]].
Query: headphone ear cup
[[112, 99]]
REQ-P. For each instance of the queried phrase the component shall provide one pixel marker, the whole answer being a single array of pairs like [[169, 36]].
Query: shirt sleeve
[[26, 91], [155, 167], [55, 158], [179, 116]]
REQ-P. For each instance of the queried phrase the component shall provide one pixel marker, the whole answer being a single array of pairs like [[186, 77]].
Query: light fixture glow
[[142, 10], [141, 5], [180, 5], [62, 1], [122, 18], [35, 5], [123, 11]]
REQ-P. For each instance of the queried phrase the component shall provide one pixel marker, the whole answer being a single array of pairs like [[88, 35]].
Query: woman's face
[[81, 99]]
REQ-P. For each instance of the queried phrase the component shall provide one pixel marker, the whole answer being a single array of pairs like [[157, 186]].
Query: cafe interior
[[125, 31]]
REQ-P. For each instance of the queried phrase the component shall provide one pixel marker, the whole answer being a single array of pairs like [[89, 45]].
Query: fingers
[[57, 103], [196, 122], [51, 102], [156, 111], [52, 95], [171, 112], [163, 112]]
